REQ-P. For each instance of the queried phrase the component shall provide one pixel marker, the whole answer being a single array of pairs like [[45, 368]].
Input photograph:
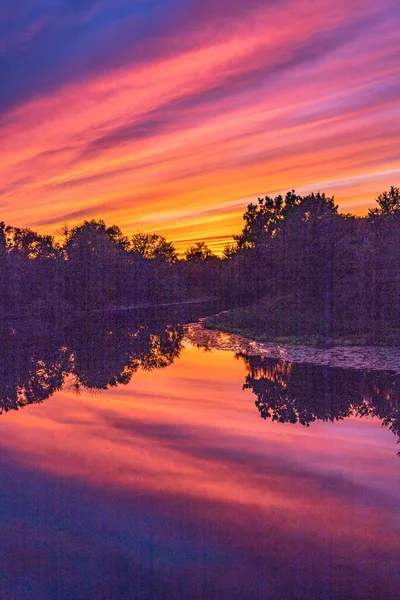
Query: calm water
[[168, 484]]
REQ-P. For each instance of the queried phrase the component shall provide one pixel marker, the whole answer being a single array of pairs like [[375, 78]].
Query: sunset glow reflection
[[190, 444]]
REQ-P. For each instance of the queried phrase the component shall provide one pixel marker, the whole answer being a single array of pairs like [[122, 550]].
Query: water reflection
[[106, 352], [34, 363], [173, 487], [304, 393]]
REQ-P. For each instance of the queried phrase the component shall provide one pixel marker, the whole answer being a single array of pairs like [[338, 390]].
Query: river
[[167, 469]]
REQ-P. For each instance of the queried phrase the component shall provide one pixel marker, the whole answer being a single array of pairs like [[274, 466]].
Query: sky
[[172, 115]]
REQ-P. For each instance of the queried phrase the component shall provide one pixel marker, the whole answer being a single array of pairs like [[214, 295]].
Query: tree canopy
[[198, 252], [153, 247], [266, 218], [388, 203]]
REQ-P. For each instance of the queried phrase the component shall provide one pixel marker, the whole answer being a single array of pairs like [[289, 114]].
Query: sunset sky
[[171, 115]]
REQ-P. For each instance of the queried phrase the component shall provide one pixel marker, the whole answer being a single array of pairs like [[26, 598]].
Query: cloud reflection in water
[[172, 486]]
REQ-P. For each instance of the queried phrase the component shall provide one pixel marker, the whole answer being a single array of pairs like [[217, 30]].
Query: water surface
[[168, 483]]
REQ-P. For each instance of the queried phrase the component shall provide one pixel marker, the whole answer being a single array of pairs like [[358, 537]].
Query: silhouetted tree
[[95, 256], [199, 251], [263, 220], [230, 250], [153, 247], [31, 244], [383, 261], [388, 203]]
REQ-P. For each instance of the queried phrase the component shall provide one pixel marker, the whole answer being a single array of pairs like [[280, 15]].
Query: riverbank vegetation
[[318, 276], [298, 271]]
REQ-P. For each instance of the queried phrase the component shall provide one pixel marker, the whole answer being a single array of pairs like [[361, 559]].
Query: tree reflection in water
[[35, 361], [107, 351], [304, 393]]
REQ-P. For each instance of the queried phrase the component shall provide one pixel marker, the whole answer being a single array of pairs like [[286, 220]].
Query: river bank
[[286, 320], [353, 357]]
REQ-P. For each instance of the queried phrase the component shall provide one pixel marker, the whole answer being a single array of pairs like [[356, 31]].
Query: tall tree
[[263, 220], [95, 254]]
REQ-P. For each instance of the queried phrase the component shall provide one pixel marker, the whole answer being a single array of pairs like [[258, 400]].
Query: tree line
[[96, 267], [308, 268]]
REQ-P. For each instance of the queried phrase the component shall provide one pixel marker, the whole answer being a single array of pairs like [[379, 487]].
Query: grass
[[288, 321]]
